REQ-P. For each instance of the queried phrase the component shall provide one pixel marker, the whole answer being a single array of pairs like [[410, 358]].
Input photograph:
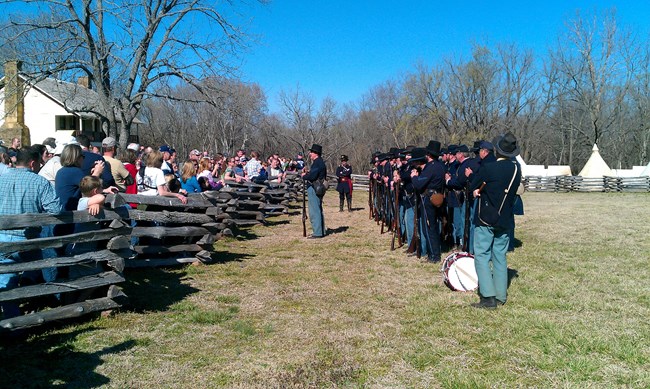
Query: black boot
[[341, 205], [349, 205], [486, 303]]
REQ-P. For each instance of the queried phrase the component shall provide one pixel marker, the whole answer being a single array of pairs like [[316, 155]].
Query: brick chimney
[[14, 125], [84, 81]]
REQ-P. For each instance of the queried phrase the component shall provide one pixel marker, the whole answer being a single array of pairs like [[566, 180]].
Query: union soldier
[[427, 182], [501, 179], [344, 186], [318, 171]]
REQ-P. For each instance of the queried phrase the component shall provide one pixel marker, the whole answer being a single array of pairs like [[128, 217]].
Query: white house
[[49, 108]]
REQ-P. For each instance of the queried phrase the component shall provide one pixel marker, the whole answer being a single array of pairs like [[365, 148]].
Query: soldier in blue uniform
[[427, 182], [344, 186], [456, 182], [501, 179], [318, 171]]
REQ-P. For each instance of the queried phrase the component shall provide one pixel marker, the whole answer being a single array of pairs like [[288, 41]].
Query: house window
[[67, 123]]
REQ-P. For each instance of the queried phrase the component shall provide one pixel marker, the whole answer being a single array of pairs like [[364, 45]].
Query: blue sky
[[342, 49]]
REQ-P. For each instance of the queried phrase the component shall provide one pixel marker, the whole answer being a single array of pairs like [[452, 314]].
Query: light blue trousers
[[316, 213], [491, 245]]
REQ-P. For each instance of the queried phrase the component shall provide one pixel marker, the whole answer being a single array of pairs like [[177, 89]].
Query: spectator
[[300, 162], [129, 159], [166, 166], [207, 171], [5, 161], [151, 179], [174, 184], [15, 144], [69, 176], [188, 178], [121, 176], [90, 159], [231, 171], [276, 174], [24, 192], [253, 167]]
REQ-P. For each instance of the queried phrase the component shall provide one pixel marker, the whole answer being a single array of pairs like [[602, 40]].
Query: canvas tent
[[646, 171], [596, 167]]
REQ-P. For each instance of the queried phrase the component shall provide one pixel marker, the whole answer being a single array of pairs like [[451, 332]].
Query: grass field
[[345, 311]]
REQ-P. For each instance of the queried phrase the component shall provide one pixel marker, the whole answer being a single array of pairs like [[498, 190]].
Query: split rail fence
[[93, 258]]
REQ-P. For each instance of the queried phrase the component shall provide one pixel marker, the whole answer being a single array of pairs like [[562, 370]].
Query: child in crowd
[[92, 198], [174, 184]]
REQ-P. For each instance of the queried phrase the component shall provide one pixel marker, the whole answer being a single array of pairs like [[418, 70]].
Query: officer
[[344, 186]]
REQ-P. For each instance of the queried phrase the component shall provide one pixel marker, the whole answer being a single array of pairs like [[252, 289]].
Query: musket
[[396, 224], [304, 209], [467, 215], [370, 197], [414, 247]]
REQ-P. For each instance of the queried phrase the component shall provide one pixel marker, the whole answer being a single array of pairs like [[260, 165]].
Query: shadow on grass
[[52, 361], [337, 230], [155, 289], [244, 234], [512, 274], [273, 223]]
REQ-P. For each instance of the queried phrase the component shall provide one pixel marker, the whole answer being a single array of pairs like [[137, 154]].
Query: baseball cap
[[195, 152], [109, 141], [165, 148], [133, 146]]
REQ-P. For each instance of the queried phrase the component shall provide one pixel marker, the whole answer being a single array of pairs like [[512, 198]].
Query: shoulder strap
[[505, 194]]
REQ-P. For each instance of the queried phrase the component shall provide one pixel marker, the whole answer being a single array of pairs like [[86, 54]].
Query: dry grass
[[345, 311]]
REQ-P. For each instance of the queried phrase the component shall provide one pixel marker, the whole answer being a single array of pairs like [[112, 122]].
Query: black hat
[[477, 146], [462, 149], [394, 152], [318, 149], [433, 148], [506, 145], [384, 156], [418, 154], [451, 149], [344, 157]]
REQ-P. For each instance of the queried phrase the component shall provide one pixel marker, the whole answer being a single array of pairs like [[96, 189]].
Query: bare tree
[[128, 50]]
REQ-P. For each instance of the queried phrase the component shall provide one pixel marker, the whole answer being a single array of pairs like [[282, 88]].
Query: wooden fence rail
[[152, 231], [582, 184]]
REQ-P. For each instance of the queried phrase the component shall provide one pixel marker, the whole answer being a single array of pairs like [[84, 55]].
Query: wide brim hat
[[462, 149], [506, 145], [418, 154], [451, 149], [384, 157], [316, 148], [477, 146], [433, 148]]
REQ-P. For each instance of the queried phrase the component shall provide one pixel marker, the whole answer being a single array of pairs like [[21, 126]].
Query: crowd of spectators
[[144, 170], [72, 174]]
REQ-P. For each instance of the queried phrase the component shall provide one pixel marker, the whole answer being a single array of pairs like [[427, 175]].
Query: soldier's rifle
[[414, 247], [304, 209]]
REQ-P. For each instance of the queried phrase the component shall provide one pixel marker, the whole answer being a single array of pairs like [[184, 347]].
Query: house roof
[[74, 98]]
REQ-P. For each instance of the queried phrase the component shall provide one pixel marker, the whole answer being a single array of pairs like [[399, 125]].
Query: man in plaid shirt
[[24, 191]]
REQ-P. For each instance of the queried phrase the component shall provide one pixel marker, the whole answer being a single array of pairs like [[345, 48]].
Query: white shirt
[[153, 178], [50, 168]]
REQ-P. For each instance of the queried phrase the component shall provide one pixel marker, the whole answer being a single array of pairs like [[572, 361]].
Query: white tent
[[646, 171], [596, 167]]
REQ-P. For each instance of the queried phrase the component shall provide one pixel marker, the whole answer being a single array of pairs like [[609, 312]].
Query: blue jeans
[[316, 213], [430, 231], [459, 223], [491, 244], [10, 280], [407, 214]]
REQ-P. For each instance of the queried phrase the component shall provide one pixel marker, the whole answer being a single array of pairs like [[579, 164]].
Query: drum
[[459, 273]]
